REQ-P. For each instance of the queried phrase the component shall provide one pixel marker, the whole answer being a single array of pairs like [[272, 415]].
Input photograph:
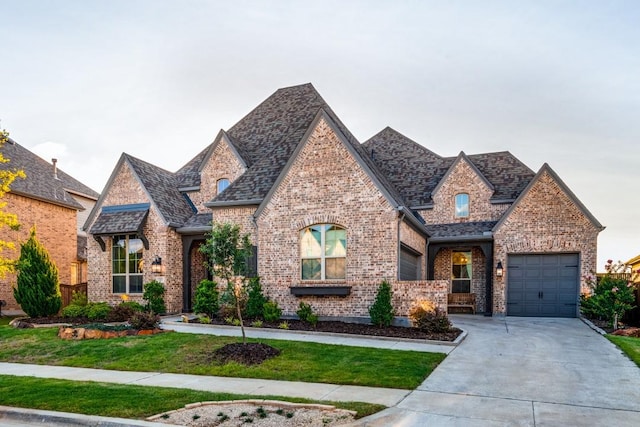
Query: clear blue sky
[[550, 81]]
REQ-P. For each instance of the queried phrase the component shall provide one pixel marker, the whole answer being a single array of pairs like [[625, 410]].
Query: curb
[[592, 326], [37, 416]]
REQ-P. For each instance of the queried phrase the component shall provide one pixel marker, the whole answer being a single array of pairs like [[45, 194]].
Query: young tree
[[381, 311], [7, 176], [38, 289], [228, 252]]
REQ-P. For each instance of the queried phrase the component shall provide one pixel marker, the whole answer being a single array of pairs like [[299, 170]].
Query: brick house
[[330, 218], [57, 205]]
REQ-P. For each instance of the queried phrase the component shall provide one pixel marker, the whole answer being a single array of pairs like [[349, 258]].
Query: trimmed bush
[[124, 311], [74, 310], [37, 289], [381, 311], [271, 311], [79, 298], [98, 311], [206, 299], [306, 314], [426, 316], [256, 300], [144, 320], [154, 296]]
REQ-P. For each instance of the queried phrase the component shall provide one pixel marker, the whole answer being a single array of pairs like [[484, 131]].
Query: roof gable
[[160, 187], [546, 169], [462, 157]]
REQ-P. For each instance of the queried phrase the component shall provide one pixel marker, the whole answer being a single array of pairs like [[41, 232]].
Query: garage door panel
[[542, 285]]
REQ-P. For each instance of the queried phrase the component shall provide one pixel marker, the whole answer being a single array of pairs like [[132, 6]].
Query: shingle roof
[[114, 220], [40, 182], [416, 171], [461, 229], [268, 136], [410, 167], [163, 190], [189, 174]]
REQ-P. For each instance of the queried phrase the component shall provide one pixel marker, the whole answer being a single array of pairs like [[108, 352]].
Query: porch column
[[487, 249]]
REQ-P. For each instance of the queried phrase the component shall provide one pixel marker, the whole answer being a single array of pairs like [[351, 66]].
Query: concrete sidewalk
[[250, 386]]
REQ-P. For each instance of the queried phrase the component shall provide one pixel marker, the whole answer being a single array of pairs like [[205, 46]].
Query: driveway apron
[[524, 372]]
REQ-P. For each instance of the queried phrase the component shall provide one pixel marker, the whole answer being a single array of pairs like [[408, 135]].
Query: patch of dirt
[[256, 413], [252, 353]]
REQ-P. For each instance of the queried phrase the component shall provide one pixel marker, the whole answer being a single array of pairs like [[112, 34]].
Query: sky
[[554, 82]]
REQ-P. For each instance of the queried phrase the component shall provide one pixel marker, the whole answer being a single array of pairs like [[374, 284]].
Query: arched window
[[223, 183], [323, 252], [462, 205]]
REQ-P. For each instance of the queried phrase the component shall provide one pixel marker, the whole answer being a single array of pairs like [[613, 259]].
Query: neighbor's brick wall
[[55, 229], [163, 242], [463, 179], [326, 185], [545, 221], [222, 163]]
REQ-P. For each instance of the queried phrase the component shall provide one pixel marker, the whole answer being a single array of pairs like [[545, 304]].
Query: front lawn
[[191, 354], [125, 401], [629, 345]]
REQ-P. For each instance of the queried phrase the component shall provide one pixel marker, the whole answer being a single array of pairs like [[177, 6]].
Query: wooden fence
[[68, 290]]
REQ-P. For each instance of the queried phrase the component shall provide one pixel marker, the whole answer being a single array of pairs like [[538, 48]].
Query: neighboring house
[[53, 202], [330, 218], [634, 266]]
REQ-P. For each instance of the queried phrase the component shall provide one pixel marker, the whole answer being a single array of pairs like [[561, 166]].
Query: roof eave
[[228, 203]]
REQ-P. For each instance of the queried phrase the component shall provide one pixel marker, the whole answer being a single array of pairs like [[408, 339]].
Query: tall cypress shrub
[[381, 311], [37, 289]]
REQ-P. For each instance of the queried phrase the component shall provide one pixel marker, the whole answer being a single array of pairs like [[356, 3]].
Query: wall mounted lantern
[[156, 265], [499, 269]]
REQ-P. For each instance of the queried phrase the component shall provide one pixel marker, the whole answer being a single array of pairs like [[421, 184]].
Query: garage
[[543, 285]]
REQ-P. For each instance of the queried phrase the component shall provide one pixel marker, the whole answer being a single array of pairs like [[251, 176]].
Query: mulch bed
[[252, 353], [356, 329]]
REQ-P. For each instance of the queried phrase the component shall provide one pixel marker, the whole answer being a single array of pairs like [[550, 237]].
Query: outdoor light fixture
[[156, 265], [499, 269]]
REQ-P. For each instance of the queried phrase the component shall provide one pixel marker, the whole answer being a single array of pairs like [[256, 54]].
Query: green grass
[[629, 345], [126, 401], [190, 354]]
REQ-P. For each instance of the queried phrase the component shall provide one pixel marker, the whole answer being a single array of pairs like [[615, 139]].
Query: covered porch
[[462, 254]]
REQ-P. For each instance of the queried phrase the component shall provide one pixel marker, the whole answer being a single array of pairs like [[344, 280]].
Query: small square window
[[462, 205]]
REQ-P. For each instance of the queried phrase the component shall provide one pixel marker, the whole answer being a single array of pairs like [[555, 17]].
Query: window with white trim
[[127, 264], [462, 205], [222, 184], [323, 252]]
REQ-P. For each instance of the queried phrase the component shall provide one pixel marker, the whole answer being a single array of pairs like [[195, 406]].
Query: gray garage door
[[409, 264], [542, 285]]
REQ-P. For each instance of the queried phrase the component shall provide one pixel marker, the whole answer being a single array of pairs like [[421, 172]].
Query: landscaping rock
[[628, 332]]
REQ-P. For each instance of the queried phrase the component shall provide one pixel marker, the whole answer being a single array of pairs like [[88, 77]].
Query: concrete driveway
[[524, 372]]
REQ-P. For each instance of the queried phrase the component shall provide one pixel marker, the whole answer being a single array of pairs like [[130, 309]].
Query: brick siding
[[55, 229]]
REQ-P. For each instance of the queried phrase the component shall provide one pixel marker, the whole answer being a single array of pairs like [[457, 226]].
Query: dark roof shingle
[[41, 182]]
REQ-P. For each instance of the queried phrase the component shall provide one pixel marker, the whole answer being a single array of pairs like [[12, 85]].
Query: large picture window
[[127, 264], [461, 272], [323, 252]]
